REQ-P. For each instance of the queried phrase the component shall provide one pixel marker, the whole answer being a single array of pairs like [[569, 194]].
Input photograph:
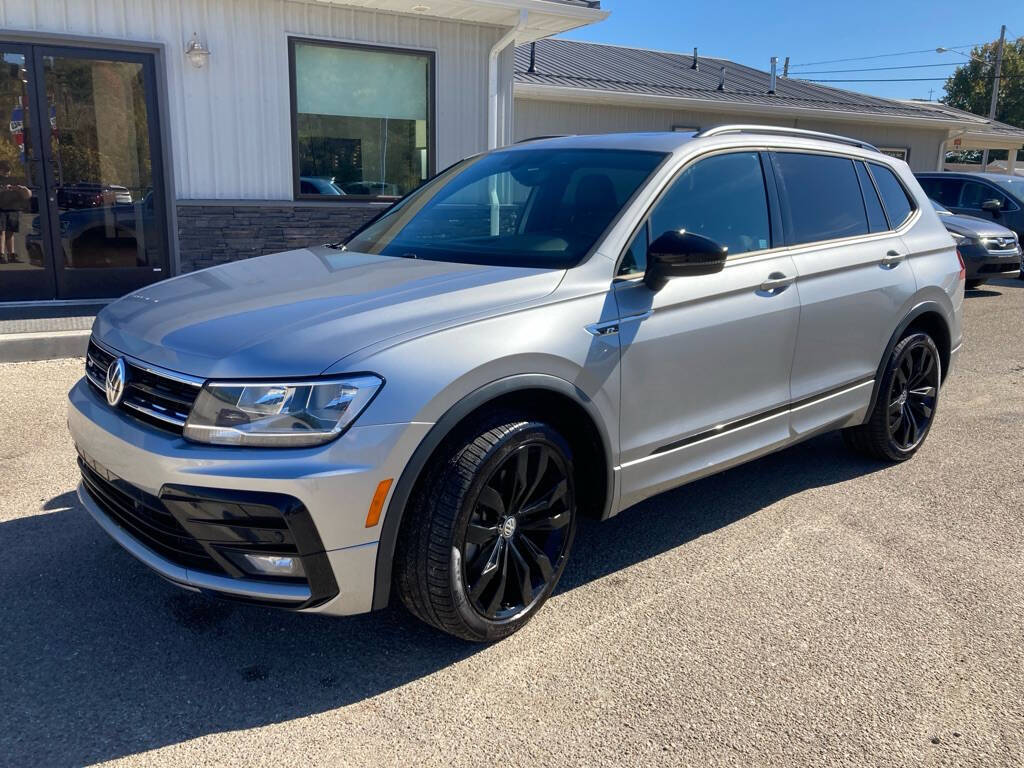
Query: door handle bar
[[775, 282], [891, 259]]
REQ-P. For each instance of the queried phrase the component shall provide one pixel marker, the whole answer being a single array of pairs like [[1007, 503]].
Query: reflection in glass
[[361, 120], [99, 136], [18, 194]]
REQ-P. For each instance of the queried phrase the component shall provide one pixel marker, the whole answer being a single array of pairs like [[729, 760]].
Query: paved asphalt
[[811, 608]]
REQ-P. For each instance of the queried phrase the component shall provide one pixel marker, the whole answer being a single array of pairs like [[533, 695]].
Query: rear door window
[[876, 216], [898, 203], [944, 191], [823, 197]]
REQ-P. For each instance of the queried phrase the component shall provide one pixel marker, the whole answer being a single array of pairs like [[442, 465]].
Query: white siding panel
[[230, 122], [536, 117]]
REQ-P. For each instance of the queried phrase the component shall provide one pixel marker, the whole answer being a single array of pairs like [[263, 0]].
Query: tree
[[970, 87]]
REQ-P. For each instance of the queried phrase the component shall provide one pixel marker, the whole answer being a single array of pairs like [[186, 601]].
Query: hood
[[972, 226], [296, 313]]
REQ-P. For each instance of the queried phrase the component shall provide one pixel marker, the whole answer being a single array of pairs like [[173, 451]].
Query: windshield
[[939, 209], [522, 208]]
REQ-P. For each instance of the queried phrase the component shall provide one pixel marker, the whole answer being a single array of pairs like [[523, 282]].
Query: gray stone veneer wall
[[215, 232]]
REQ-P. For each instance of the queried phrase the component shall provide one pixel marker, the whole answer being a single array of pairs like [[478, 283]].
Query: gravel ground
[[810, 608]]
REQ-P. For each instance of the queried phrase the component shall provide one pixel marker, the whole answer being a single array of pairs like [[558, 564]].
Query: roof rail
[[541, 138], [798, 132]]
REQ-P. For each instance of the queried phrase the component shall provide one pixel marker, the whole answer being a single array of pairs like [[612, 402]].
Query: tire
[[460, 564], [972, 284], [904, 410]]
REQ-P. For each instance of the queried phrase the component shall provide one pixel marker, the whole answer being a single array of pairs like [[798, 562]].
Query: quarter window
[[897, 203], [823, 197], [876, 216], [362, 120]]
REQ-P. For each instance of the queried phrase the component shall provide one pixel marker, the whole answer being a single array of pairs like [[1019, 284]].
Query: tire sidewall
[[522, 433]]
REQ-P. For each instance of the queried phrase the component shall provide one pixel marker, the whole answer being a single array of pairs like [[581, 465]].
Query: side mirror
[[680, 254], [992, 206]]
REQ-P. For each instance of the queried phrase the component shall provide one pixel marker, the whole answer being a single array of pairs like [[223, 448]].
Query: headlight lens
[[286, 414], [958, 238]]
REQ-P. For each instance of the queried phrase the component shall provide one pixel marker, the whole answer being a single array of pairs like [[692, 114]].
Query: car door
[[853, 277], [705, 360]]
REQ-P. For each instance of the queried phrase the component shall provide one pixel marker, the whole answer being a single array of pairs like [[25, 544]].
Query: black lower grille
[[209, 529], [157, 399], [146, 518]]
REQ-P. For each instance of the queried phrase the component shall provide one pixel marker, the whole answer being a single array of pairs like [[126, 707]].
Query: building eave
[[561, 93], [545, 17]]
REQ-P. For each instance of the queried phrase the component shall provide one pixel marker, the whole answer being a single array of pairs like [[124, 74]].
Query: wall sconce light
[[196, 52]]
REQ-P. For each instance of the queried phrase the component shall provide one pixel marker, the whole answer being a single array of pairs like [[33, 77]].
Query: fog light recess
[[275, 565]]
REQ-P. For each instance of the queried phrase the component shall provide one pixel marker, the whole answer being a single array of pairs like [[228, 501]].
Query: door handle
[[891, 259], [776, 283]]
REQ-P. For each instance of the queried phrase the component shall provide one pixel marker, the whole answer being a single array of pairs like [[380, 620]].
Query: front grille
[[999, 244], [146, 518], [156, 398]]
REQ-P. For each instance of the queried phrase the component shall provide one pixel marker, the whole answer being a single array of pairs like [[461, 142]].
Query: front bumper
[[334, 482], [982, 263]]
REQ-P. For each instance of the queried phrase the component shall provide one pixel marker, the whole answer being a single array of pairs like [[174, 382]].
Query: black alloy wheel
[[517, 533], [905, 403], [913, 391], [489, 529]]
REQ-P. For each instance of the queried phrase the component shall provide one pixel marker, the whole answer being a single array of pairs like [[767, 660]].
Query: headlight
[[286, 414], [958, 238]]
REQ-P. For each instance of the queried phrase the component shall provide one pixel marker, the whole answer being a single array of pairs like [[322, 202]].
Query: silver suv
[[559, 328]]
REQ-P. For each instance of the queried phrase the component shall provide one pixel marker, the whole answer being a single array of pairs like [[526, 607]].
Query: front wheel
[[484, 543], [905, 406]]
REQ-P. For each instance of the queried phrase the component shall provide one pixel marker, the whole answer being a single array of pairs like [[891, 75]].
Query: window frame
[[772, 199], [429, 54]]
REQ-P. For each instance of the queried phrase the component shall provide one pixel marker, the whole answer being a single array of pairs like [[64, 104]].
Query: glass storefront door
[[81, 182]]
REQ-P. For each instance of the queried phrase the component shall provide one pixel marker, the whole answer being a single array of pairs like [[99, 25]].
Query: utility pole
[[995, 89]]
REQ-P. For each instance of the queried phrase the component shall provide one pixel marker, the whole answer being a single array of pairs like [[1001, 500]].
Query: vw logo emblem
[[508, 528], [116, 379]]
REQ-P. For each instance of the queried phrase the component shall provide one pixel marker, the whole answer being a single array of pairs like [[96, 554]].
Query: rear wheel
[[487, 537], [906, 402]]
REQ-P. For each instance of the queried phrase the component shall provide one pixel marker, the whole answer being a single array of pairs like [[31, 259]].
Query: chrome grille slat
[[161, 398]]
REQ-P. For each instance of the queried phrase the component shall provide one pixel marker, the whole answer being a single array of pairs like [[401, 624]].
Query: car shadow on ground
[[102, 659]]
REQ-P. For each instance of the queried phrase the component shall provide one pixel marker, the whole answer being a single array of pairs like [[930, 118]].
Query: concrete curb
[[44, 345]]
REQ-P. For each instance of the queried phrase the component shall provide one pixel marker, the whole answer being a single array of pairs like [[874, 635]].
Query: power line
[[879, 56], [880, 69], [898, 79]]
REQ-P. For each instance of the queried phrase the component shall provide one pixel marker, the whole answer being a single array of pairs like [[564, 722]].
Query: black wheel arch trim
[[925, 307], [441, 429]]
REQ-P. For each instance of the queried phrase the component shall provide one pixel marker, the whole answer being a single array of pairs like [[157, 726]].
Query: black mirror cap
[[678, 253], [994, 205]]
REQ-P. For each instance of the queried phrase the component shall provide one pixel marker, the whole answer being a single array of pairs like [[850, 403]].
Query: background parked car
[[318, 185], [992, 196], [988, 249]]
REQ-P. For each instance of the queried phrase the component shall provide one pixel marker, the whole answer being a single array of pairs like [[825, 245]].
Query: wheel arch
[[553, 399], [929, 317]]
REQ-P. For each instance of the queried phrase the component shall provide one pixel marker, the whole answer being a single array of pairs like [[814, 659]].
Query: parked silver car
[[559, 328]]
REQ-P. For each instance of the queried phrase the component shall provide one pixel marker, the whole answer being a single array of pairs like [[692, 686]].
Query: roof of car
[[975, 175], [663, 141]]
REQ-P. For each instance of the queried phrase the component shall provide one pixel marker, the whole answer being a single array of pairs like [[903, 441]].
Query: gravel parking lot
[[811, 608]]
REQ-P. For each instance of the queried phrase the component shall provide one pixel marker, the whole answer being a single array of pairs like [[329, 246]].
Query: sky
[[809, 31]]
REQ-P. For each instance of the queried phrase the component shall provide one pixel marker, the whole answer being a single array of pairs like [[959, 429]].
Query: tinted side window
[[974, 194], [876, 216], [823, 195], [945, 191], [722, 197], [897, 203]]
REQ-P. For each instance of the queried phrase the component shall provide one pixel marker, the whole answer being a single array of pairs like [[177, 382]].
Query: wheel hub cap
[[508, 528]]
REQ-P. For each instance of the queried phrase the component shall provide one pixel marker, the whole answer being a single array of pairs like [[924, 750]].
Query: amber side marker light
[[377, 505], [963, 266]]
